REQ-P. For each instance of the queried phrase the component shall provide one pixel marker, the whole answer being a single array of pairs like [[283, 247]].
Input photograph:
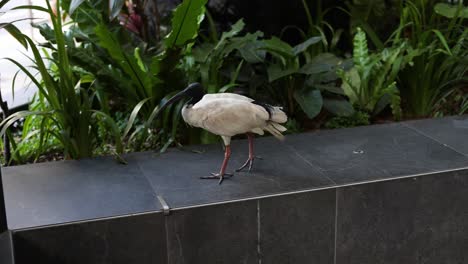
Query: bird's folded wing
[[229, 117]]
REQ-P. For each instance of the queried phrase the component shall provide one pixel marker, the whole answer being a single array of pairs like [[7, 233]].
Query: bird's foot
[[219, 176], [249, 162]]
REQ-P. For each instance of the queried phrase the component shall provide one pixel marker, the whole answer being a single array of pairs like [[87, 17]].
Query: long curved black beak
[[172, 100]]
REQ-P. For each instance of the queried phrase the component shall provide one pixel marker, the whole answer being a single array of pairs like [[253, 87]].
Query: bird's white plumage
[[228, 114], [227, 96]]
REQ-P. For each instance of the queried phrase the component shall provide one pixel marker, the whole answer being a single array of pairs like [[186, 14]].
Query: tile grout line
[[12, 245], [433, 139], [259, 249], [310, 164], [336, 225], [167, 240]]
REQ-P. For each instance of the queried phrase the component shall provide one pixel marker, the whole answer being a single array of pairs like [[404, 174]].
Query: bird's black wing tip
[[268, 108]]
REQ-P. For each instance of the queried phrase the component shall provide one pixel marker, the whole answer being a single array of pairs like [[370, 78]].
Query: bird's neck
[[195, 99]]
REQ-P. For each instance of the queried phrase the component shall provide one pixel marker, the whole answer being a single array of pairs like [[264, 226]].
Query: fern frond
[[360, 52]]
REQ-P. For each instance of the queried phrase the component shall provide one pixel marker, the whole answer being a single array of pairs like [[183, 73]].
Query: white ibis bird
[[226, 115]]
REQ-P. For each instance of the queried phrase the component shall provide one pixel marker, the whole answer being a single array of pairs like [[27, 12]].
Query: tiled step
[[393, 193]]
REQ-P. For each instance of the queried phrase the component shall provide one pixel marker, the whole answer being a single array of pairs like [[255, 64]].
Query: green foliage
[[185, 23], [301, 77], [464, 106], [439, 58], [69, 115], [374, 17], [318, 26], [137, 76], [451, 11], [211, 57], [371, 83], [358, 118], [32, 143]]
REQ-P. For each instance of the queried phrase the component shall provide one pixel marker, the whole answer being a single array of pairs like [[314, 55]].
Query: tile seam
[[259, 249], [433, 139], [12, 253], [336, 225], [167, 240], [311, 164]]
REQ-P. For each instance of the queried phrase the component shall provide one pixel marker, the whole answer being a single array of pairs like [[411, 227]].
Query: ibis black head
[[194, 91]]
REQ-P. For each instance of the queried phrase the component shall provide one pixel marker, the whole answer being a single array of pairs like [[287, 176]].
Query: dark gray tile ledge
[[399, 187], [70, 191]]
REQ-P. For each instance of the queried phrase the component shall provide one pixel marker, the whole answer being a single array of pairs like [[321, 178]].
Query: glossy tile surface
[[374, 152], [6, 252], [298, 228], [225, 233], [60, 192], [137, 239], [176, 174], [415, 220], [452, 131]]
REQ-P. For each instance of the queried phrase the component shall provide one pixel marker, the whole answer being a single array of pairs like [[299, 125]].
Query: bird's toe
[[219, 176]]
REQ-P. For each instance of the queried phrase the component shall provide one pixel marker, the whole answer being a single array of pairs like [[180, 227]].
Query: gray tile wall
[[3, 223], [6, 253], [414, 220], [137, 239], [417, 220]]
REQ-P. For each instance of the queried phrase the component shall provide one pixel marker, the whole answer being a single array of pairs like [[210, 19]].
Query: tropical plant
[[211, 58], [299, 77], [464, 106], [439, 58], [371, 84], [376, 18], [319, 26], [70, 113], [358, 118], [137, 75]]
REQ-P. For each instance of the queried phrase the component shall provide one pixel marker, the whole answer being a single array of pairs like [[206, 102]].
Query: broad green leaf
[[310, 101], [16, 33], [127, 62], [235, 29], [278, 47], [305, 45], [133, 115], [251, 52], [185, 23], [276, 72], [443, 41], [329, 88], [323, 62], [202, 51], [450, 11], [338, 107], [316, 67]]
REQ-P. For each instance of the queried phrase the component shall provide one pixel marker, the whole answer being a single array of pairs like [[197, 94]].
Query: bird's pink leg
[[222, 172], [251, 158]]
